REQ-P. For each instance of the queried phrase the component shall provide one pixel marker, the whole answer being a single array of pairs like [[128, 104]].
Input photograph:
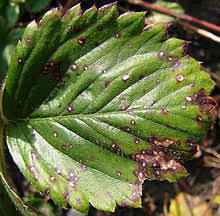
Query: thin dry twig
[[213, 152], [176, 14], [200, 31], [165, 204]]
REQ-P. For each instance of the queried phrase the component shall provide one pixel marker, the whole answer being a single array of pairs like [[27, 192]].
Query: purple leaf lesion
[[157, 164]]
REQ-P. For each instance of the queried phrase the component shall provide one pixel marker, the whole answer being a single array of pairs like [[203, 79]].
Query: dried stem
[[176, 14], [165, 204], [200, 31]]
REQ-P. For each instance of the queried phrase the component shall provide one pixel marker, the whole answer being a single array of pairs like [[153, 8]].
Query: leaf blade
[[117, 113]]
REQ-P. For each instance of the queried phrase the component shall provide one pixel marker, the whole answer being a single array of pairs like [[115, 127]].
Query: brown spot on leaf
[[176, 64], [161, 55], [81, 40], [84, 167], [74, 67], [205, 103], [100, 28], [116, 148], [125, 77], [147, 28], [123, 104], [160, 164], [118, 35], [188, 98], [20, 61], [68, 75], [141, 76], [28, 40], [199, 119], [52, 179], [45, 70], [184, 46], [33, 156], [92, 158], [107, 82], [107, 194], [85, 67], [58, 171], [126, 129], [161, 142], [39, 24], [55, 134], [133, 122], [118, 173], [169, 58], [66, 195], [179, 77], [47, 191], [137, 140], [70, 108], [69, 27], [164, 111], [66, 146], [78, 201]]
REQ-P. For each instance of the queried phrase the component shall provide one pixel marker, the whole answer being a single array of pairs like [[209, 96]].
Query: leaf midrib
[[90, 114]]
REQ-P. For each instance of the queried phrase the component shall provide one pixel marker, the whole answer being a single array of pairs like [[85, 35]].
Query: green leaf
[[7, 50], [97, 103], [10, 202], [164, 18], [3, 3], [6, 206], [9, 16], [217, 199], [186, 204], [37, 6]]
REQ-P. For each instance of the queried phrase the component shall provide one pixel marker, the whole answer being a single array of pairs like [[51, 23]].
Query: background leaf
[[97, 105], [36, 6], [164, 18], [185, 204]]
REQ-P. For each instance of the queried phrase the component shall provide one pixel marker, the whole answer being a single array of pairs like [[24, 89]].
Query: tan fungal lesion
[[161, 54], [81, 40], [155, 164], [180, 77], [162, 142]]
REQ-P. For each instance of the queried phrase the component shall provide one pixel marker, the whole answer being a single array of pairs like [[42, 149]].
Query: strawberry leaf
[[97, 103]]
